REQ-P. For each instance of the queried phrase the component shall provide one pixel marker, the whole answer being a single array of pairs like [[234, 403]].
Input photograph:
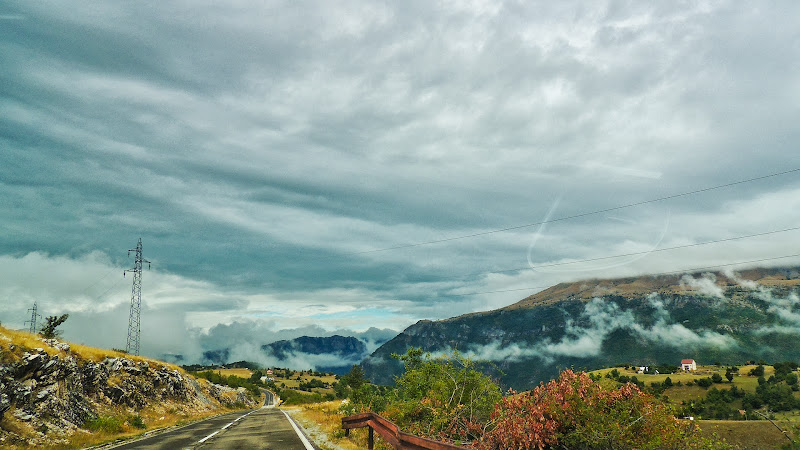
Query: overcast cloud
[[262, 150]]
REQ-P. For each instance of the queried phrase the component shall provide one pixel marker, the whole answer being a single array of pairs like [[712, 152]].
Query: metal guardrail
[[391, 433]]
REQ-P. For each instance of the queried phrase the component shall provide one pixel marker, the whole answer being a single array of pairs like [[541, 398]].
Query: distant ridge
[[589, 324]]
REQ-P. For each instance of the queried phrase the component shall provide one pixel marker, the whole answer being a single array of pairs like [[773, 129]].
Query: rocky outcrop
[[55, 392]]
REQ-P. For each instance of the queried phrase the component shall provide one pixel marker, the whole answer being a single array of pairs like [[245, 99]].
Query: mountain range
[[336, 354], [710, 317]]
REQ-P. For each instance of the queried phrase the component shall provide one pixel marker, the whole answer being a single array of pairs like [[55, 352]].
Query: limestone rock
[[56, 394]]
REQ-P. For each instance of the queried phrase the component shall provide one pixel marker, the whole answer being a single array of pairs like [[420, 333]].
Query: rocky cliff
[[50, 392]]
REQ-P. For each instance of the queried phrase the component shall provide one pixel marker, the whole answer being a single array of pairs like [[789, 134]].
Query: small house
[[688, 365]]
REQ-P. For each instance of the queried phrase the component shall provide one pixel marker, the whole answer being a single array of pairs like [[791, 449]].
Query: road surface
[[269, 397], [265, 428]]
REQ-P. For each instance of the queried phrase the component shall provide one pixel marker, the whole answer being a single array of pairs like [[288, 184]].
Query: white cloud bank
[[603, 318]]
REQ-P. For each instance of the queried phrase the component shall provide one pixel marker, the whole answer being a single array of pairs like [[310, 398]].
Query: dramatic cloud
[[264, 152]]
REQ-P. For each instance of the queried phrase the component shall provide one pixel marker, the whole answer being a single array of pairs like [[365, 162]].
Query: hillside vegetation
[[59, 395], [292, 387], [445, 398], [591, 324]]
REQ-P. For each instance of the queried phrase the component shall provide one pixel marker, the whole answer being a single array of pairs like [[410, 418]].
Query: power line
[[695, 269], [677, 247], [108, 290], [576, 216], [85, 290]]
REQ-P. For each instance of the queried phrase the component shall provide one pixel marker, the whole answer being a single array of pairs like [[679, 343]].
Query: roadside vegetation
[[446, 398]]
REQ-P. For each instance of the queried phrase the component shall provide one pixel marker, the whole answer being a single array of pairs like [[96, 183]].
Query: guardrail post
[[392, 434], [371, 440]]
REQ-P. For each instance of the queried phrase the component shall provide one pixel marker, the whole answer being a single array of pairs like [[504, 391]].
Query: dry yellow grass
[[241, 373], [26, 341], [747, 435], [293, 383], [325, 418]]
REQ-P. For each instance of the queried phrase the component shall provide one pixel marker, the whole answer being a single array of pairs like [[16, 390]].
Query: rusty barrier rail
[[391, 433]]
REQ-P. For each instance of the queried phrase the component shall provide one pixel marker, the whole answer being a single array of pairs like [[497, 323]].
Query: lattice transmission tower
[[134, 320], [34, 316]]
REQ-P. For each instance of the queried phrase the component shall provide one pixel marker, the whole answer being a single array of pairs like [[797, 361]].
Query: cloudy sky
[[314, 167]]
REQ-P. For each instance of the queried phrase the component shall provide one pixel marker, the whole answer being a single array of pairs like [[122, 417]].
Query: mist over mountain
[[710, 317], [323, 351], [335, 354]]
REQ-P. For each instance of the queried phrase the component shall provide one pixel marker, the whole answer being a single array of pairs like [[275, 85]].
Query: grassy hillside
[[291, 386], [743, 433]]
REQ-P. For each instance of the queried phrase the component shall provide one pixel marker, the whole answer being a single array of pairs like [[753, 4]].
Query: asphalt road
[[269, 397], [265, 428]]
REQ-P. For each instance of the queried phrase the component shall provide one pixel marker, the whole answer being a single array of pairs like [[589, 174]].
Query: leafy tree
[[705, 382], [256, 376], [784, 368], [757, 371], [49, 330], [340, 389], [443, 397], [667, 368], [716, 378], [355, 378]]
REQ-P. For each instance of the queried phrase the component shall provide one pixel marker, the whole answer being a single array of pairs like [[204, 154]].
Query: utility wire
[[108, 290], [696, 269], [99, 280], [698, 244], [575, 216]]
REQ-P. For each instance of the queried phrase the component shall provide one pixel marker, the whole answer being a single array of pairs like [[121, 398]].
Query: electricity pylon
[[134, 328], [34, 315]]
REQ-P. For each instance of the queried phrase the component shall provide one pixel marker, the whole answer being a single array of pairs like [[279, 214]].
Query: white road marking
[[207, 437], [299, 433], [226, 426], [242, 417]]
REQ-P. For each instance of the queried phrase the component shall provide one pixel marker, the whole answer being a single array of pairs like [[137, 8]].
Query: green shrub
[[292, 397], [704, 382], [137, 422], [105, 424]]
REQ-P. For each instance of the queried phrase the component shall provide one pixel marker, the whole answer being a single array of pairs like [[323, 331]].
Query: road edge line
[[302, 436]]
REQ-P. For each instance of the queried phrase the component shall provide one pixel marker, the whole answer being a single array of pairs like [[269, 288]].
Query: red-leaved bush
[[575, 412]]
